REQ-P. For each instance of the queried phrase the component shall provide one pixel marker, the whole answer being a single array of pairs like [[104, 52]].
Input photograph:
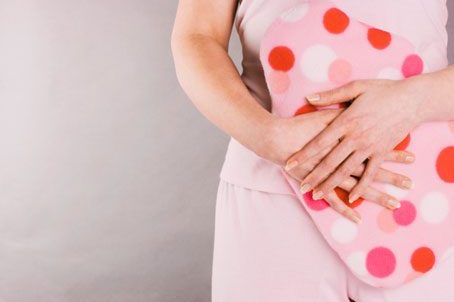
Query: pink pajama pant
[[267, 249]]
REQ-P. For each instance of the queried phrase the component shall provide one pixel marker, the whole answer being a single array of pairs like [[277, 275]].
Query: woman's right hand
[[200, 39], [284, 136]]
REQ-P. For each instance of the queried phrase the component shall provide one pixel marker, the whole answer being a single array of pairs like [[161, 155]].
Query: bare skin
[[383, 111], [209, 77]]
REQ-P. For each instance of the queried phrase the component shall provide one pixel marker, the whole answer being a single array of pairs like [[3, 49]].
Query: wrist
[[264, 139], [422, 91], [436, 92]]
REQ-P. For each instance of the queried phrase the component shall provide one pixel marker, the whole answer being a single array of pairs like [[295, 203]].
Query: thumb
[[341, 94]]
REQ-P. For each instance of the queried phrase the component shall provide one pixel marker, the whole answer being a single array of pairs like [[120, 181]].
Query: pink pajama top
[[423, 22]]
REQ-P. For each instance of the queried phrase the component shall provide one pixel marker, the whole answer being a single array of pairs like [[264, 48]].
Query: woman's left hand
[[381, 115]]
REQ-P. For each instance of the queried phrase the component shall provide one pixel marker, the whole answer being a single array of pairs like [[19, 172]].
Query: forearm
[[211, 80], [438, 91]]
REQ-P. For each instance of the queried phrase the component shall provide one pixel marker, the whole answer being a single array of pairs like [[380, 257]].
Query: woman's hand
[[284, 136], [381, 116]]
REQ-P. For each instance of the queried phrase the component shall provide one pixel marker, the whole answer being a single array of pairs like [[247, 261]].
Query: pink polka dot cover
[[316, 46]]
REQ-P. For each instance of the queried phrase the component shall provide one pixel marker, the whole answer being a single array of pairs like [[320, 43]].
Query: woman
[[266, 246]]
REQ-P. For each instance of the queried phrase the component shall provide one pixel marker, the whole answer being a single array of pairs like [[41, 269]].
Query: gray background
[[108, 174]]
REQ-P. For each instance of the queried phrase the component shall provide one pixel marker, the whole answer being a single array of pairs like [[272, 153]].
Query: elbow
[[176, 47]]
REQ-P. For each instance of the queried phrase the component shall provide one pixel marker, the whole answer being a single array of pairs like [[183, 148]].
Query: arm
[[209, 77], [207, 74], [438, 88]]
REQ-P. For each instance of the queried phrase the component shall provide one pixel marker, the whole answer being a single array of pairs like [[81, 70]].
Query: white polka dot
[[389, 73], [295, 13], [434, 207], [357, 263], [344, 230], [315, 62], [447, 254], [395, 191]]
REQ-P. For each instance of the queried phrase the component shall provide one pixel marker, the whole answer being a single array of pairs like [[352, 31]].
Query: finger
[[326, 167], [301, 171], [396, 179], [339, 206], [372, 194], [400, 156], [388, 177], [342, 172], [327, 137], [341, 94], [372, 166], [325, 116]]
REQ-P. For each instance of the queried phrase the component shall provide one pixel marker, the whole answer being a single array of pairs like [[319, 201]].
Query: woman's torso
[[423, 22]]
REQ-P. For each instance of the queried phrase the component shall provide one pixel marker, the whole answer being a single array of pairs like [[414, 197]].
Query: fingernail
[[407, 184], [409, 158], [352, 198], [395, 204], [313, 98], [317, 195], [291, 165], [305, 188]]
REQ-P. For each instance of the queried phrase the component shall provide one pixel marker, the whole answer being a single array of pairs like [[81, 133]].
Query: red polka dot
[[305, 109], [406, 214], [422, 259], [381, 262], [378, 38], [403, 144], [343, 195], [316, 205], [445, 164], [281, 58], [413, 65], [335, 21]]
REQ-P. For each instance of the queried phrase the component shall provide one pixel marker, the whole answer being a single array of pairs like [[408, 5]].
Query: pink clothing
[[267, 249], [423, 22], [316, 46]]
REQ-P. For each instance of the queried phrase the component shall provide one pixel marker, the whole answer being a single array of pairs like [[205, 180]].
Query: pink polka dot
[[386, 222], [340, 71], [406, 214], [413, 65], [380, 262], [316, 205], [278, 81]]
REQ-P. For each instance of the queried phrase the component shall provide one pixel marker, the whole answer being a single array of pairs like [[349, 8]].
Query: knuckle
[[343, 171], [364, 145], [322, 142], [338, 207], [317, 143], [327, 164], [383, 199]]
